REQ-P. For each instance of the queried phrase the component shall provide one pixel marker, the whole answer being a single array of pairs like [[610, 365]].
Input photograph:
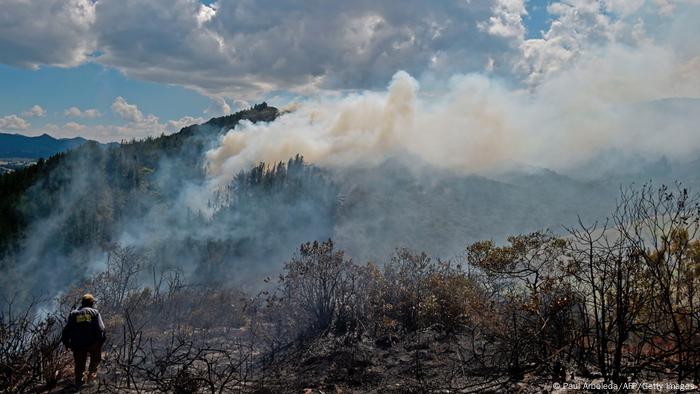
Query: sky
[[115, 70]]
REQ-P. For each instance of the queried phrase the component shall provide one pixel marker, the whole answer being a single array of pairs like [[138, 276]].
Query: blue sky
[[180, 61], [92, 86], [537, 19]]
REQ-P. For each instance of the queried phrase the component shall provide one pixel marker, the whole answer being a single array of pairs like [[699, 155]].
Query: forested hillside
[[71, 207]]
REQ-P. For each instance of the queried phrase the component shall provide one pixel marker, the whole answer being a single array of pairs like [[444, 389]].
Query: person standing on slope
[[84, 334]]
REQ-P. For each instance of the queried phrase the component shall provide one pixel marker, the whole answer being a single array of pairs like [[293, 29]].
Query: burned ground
[[612, 304]]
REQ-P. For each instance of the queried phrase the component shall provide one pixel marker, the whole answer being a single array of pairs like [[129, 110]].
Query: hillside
[[75, 202]]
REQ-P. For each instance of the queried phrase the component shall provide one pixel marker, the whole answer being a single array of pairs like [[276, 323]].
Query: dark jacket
[[84, 328]]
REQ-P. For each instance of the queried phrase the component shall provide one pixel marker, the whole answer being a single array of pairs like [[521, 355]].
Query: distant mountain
[[22, 146]]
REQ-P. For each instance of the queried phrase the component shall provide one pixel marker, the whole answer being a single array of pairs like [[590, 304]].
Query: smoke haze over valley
[[190, 201]]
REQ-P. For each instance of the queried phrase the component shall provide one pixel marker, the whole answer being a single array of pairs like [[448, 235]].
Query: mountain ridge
[[15, 145], [35, 147]]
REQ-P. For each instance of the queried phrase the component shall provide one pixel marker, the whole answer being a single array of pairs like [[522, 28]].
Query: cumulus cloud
[[114, 132], [13, 122], [247, 48], [576, 25], [624, 7], [220, 107], [126, 111], [91, 113], [74, 127], [224, 107], [507, 19], [137, 125], [75, 112], [176, 125], [581, 26], [35, 110], [46, 32], [243, 49]]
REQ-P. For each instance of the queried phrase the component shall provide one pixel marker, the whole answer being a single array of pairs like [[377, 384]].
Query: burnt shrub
[[317, 287]]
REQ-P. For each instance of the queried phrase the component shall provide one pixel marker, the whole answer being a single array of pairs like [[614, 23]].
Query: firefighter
[[84, 334]]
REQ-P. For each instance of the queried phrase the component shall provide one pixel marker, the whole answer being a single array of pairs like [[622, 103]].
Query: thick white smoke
[[609, 100]]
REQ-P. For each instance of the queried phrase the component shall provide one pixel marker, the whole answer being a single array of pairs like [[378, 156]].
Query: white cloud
[[224, 107], [91, 113], [128, 112], [245, 49], [665, 7], [148, 126], [176, 125], [328, 46], [624, 7], [219, 107], [46, 32], [577, 24], [205, 14], [75, 112], [74, 127], [583, 26], [138, 125], [507, 19], [13, 122], [35, 110]]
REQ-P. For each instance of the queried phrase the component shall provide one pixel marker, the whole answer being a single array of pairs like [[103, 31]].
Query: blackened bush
[[318, 283], [415, 292], [451, 300], [405, 288], [31, 353]]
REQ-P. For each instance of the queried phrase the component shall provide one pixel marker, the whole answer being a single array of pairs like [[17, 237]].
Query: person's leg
[[79, 356], [95, 358]]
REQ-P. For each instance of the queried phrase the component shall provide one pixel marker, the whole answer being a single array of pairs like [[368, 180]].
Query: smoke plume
[[613, 99]]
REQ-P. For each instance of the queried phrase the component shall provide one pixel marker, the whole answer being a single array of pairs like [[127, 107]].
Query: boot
[[80, 379], [91, 377]]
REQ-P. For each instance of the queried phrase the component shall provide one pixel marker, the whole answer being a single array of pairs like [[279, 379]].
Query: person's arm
[[66, 333], [101, 329]]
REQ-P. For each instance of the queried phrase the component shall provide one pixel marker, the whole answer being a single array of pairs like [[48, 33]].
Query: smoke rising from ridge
[[473, 124]]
